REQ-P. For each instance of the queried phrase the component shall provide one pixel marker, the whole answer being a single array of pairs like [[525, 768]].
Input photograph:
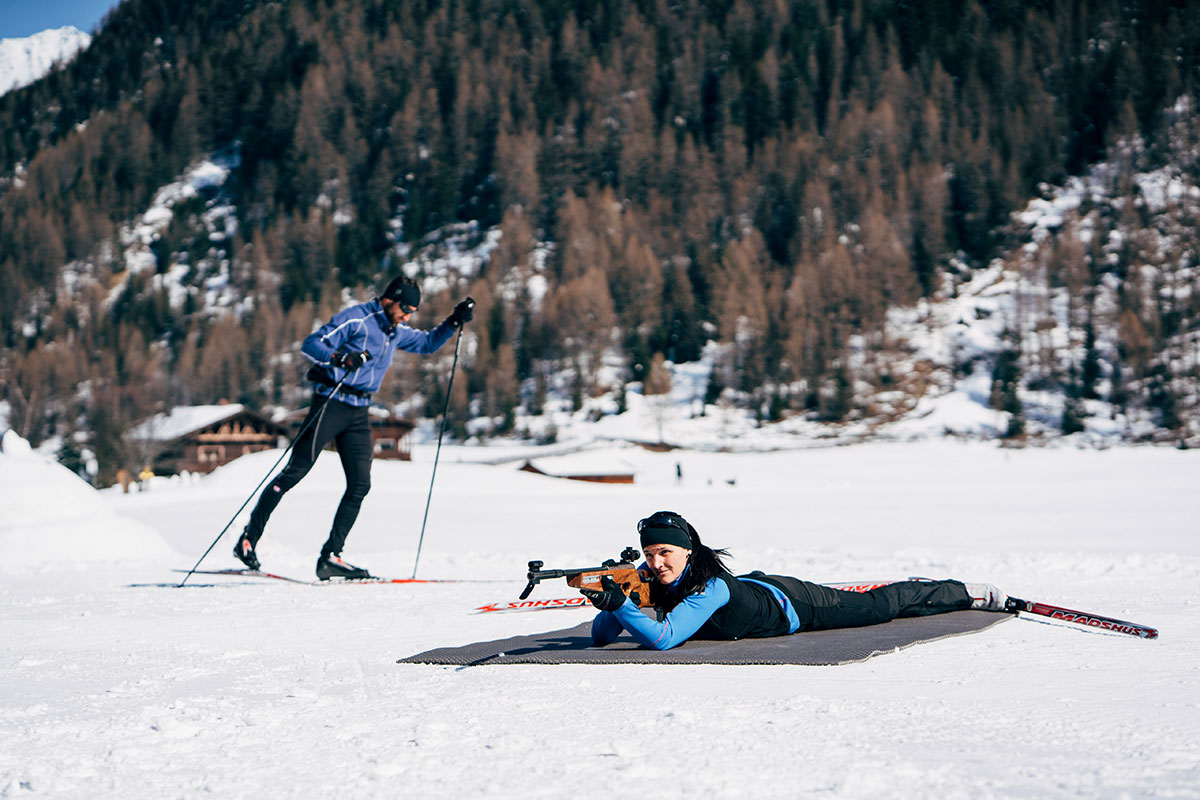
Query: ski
[[549, 604], [862, 586], [1015, 604], [506, 606], [251, 573], [246, 573]]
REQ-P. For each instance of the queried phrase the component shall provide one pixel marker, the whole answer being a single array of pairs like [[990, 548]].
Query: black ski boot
[[331, 565], [243, 551]]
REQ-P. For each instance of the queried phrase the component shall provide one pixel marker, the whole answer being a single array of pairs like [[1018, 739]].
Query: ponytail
[[704, 564]]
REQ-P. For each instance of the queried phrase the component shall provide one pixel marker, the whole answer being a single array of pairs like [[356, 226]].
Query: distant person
[[698, 597], [678, 474], [350, 354]]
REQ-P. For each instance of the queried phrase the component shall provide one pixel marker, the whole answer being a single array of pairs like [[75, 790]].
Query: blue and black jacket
[[365, 328], [727, 607]]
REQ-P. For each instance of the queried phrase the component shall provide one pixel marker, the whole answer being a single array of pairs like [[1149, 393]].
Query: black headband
[[665, 527]]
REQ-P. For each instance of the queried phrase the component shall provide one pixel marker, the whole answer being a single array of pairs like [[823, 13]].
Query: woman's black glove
[[348, 361], [611, 598], [463, 313]]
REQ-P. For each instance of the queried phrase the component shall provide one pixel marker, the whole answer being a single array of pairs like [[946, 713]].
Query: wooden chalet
[[391, 436], [202, 438]]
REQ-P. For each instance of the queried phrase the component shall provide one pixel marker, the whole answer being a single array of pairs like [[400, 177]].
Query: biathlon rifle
[[626, 575]]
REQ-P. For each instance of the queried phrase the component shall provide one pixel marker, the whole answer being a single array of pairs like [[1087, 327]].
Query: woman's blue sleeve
[[680, 624]]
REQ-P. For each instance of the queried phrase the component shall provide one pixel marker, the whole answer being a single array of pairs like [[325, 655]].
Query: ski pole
[[438, 451], [286, 450]]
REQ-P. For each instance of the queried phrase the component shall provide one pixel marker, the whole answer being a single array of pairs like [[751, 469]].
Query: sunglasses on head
[[662, 520]]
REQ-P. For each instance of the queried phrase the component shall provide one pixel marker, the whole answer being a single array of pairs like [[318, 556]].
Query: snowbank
[[51, 517]]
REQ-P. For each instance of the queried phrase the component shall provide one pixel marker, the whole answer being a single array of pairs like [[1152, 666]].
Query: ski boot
[[243, 551], [986, 597], [332, 565]]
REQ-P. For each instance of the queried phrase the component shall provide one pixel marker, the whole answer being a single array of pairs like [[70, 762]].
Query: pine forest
[[633, 183]]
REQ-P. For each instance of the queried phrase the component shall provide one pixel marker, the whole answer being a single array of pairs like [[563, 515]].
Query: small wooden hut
[[202, 438]]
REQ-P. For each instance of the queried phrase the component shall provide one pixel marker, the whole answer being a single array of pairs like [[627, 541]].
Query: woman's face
[[666, 561]]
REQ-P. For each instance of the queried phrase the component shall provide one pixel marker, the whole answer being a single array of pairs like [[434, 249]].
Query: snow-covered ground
[[117, 684]]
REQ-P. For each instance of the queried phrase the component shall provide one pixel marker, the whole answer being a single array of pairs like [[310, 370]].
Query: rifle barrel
[[535, 576]]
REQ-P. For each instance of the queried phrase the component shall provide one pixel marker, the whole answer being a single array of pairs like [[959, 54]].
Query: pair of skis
[[1014, 605]]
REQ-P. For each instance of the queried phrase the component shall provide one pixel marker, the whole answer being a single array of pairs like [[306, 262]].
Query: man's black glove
[[611, 598], [348, 361], [463, 313]]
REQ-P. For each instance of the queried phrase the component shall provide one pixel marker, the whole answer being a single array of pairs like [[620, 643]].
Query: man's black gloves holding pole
[[611, 598], [463, 313], [348, 361]]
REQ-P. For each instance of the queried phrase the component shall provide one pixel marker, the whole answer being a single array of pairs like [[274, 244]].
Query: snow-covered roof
[[183, 420], [582, 464]]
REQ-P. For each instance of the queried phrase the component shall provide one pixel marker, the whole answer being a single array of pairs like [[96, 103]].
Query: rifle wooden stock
[[629, 579], [626, 575]]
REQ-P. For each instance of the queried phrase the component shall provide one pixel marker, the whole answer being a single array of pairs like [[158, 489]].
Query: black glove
[[463, 313], [348, 361], [611, 598]]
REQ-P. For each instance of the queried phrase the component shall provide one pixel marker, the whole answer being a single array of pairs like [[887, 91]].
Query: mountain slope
[[636, 181]]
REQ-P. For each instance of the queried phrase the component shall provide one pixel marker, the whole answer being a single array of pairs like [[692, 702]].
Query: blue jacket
[[682, 622], [365, 328]]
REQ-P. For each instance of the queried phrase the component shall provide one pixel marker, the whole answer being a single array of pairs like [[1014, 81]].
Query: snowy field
[[116, 685]]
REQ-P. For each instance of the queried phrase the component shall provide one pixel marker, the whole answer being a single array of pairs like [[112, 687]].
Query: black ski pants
[[821, 607], [350, 428]]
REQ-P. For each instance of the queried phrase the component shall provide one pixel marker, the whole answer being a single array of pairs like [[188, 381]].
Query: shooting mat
[[814, 648]]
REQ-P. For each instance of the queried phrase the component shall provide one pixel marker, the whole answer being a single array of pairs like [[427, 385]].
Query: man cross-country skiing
[[350, 354]]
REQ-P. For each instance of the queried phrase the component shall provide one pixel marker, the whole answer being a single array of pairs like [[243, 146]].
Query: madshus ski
[[1013, 605], [579, 601], [250, 573], [546, 604]]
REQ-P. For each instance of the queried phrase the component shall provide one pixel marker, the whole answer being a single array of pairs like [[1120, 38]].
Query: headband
[[665, 527]]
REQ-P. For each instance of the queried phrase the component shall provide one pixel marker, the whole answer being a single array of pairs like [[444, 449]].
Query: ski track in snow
[[242, 687]]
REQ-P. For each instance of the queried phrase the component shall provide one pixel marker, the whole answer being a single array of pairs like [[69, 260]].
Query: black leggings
[[350, 427], [821, 607]]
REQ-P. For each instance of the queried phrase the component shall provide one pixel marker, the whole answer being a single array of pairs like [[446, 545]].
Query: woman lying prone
[[697, 597]]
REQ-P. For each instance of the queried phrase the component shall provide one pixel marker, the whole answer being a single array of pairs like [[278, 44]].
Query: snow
[[49, 516], [118, 684], [25, 60]]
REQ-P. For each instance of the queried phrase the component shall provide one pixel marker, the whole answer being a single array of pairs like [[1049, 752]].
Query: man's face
[[397, 312]]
